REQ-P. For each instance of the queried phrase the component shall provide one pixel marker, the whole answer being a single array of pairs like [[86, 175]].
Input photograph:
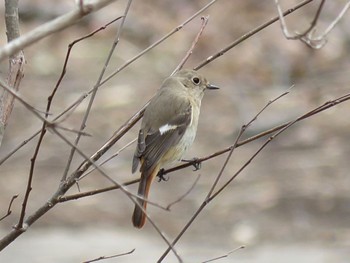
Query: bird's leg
[[195, 162], [161, 176]]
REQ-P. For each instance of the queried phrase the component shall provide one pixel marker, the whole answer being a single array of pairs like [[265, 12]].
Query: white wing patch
[[167, 127]]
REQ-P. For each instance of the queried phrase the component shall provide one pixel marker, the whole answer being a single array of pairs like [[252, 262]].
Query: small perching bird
[[168, 129]]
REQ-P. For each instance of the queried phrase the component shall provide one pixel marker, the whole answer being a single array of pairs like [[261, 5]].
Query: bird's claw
[[195, 162], [161, 176]]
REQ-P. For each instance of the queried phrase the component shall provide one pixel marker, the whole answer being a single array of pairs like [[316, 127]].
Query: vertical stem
[[15, 73]]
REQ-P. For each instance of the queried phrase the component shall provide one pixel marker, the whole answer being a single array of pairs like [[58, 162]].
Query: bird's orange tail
[[139, 217]]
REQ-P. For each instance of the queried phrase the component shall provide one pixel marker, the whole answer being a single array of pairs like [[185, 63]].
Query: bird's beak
[[211, 86]]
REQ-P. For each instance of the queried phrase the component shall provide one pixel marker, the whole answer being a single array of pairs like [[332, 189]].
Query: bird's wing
[[158, 140]]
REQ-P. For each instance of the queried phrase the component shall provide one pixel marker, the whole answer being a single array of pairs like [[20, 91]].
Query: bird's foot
[[195, 162], [161, 176]]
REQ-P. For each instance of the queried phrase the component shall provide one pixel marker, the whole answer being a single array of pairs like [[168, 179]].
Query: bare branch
[[307, 36], [194, 43], [25, 103], [224, 256], [185, 194], [307, 31], [51, 27], [65, 64], [108, 257], [9, 208], [66, 198], [16, 65], [110, 158], [81, 133]]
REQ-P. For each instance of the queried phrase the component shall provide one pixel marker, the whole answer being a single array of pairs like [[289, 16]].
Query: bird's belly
[[185, 142], [176, 153]]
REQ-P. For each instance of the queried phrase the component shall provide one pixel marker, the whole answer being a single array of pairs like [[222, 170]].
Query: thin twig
[[185, 194], [66, 198], [224, 256], [307, 31], [194, 43], [25, 103], [65, 64], [306, 36], [9, 208], [82, 133], [320, 41], [248, 35], [109, 257], [109, 158]]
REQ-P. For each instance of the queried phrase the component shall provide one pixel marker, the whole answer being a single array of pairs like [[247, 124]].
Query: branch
[[110, 158], [224, 256], [109, 257], [194, 43], [52, 27], [307, 37], [16, 64], [9, 208], [178, 200], [66, 198]]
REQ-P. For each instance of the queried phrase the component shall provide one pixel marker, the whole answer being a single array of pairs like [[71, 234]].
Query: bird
[[168, 129]]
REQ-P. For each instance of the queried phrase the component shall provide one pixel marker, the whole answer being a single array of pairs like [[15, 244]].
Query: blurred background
[[291, 204]]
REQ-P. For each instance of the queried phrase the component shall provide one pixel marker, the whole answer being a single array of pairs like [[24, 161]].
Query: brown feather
[[139, 217]]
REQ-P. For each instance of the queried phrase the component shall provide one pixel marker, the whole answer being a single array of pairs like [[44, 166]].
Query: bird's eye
[[196, 80]]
